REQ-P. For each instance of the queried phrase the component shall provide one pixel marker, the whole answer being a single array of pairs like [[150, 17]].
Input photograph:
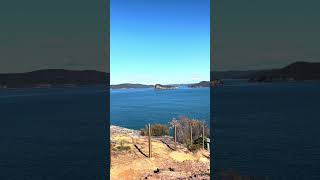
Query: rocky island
[[164, 87]]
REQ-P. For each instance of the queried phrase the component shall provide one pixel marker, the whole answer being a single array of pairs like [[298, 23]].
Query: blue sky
[[55, 34], [159, 41], [255, 35]]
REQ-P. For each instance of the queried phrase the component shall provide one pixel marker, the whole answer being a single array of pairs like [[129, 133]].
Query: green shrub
[[198, 142], [191, 147], [156, 130], [122, 147], [196, 145]]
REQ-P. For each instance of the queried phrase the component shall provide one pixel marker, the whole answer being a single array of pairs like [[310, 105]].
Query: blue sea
[[268, 129], [135, 108], [56, 133]]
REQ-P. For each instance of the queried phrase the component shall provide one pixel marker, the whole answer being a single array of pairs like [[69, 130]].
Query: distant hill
[[297, 71], [214, 83], [59, 77], [232, 74], [200, 84], [128, 85], [294, 72], [53, 77]]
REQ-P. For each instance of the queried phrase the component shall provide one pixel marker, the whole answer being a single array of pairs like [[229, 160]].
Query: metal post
[[208, 144]]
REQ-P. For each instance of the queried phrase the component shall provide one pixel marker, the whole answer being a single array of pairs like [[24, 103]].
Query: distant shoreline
[[51, 87], [298, 71], [53, 78]]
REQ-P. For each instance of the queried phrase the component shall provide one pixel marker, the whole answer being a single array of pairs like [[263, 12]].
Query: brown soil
[[130, 161]]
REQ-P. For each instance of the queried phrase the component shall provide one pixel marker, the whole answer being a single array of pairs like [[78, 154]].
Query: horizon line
[[148, 84]]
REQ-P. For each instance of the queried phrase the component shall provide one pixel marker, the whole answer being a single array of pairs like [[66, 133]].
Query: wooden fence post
[[203, 135], [175, 137], [150, 151], [191, 134]]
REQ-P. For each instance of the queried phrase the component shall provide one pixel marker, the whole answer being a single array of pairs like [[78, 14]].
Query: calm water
[[268, 129], [260, 129], [53, 134], [135, 108]]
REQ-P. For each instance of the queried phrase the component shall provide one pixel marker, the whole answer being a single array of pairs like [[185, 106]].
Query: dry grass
[[132, 164]]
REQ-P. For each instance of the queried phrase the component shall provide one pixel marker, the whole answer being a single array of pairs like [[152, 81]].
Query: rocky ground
[[129, 158]]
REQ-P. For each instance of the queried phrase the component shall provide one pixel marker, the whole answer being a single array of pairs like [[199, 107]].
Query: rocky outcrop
[[164, 87]]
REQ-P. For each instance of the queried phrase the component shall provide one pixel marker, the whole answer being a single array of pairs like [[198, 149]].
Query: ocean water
[[56, 133], [135, 108], [259, 129], [268, 129]]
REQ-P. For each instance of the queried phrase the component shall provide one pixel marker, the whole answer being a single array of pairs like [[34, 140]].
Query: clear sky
[[59, 34], [263, 34], [159, 41]]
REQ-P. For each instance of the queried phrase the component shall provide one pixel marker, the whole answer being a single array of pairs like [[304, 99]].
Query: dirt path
[[129, 158]]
